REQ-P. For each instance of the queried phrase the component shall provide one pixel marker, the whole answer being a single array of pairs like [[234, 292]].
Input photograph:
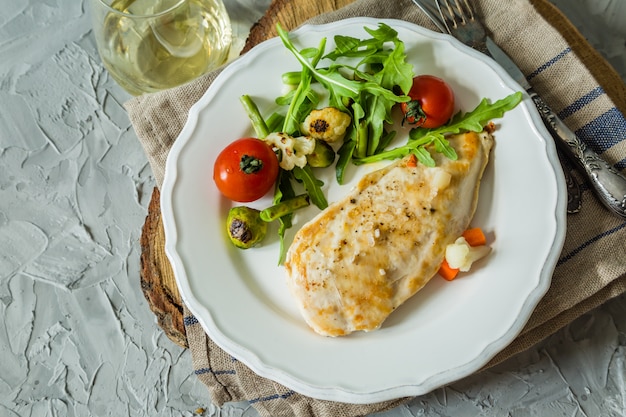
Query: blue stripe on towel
[[594, 239], [189, 320], [272, 397], [211, 371], [621, 165], [548, 64], [581, 102], [605, 131]]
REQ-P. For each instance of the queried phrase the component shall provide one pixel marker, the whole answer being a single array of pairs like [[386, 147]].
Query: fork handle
[[607, 182]]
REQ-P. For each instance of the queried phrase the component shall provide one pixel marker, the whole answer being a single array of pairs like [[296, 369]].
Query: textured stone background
[[74, 189]]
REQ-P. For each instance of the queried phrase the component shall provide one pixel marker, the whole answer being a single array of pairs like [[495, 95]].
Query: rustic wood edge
[[289, 14], [157, 278]]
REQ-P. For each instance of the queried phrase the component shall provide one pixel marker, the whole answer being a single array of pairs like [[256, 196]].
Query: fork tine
[[430, 10], [459, 19], [456, 14], [468, 8], [447, 15]]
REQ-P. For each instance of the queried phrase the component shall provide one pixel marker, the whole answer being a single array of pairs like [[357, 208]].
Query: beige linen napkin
[[592, 266]]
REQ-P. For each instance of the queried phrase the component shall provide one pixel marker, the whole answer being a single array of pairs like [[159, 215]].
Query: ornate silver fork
[[459, 20]]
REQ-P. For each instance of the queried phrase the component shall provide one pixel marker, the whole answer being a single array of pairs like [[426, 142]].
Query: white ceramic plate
[[449, 329]]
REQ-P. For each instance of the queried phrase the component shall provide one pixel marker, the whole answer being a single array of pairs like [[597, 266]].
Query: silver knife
[[608, 183]]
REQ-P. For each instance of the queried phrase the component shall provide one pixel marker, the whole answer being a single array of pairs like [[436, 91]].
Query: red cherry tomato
[[245, 170], [432, 102]]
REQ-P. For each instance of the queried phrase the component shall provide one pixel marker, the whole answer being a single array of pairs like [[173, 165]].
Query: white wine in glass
[[152, 45]]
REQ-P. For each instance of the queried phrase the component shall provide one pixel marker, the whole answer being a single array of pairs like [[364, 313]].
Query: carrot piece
[[475, 236], [412, 162], [447, 272]]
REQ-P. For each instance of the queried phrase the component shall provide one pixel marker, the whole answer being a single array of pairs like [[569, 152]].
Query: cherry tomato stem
[[432, 102], [249, 164], [245, 170]]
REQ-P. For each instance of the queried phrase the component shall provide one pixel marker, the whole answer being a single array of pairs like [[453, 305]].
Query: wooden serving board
[[157, 278]]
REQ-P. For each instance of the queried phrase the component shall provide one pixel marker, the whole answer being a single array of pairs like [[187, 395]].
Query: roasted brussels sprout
[[322, 156], [245, 227]]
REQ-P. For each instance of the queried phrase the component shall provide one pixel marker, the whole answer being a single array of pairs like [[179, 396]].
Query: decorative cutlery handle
[[609, 185]]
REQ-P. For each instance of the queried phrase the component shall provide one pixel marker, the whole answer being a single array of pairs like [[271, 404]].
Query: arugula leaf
[[303, 99], [378, 97], [349, 47], [383, 33], [443, 146], [424, 156], [473, 121], [386, 140], [476, 119], [345, 156], [312, 185]]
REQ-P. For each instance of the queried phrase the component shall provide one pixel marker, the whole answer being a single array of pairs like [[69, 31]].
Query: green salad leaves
[[420, 138], [364, 78]]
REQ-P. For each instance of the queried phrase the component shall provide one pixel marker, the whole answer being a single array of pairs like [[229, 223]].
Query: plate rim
[[334, 393]]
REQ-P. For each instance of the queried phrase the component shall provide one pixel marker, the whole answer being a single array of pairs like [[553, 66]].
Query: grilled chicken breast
[[358, 260]]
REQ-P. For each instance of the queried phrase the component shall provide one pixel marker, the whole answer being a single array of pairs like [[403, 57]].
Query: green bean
[[254, 114], [362, 139], [284, 207], [292, 77], [274, 122]]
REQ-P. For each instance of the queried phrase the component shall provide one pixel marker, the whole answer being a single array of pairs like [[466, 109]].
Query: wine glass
[[152, 45]]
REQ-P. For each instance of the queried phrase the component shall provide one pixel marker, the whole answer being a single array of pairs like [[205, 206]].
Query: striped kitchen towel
[[573, 80]]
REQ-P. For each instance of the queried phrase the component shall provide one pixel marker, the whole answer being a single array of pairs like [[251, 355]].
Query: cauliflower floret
[[460, 255], [328, 124], [293, 151]]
